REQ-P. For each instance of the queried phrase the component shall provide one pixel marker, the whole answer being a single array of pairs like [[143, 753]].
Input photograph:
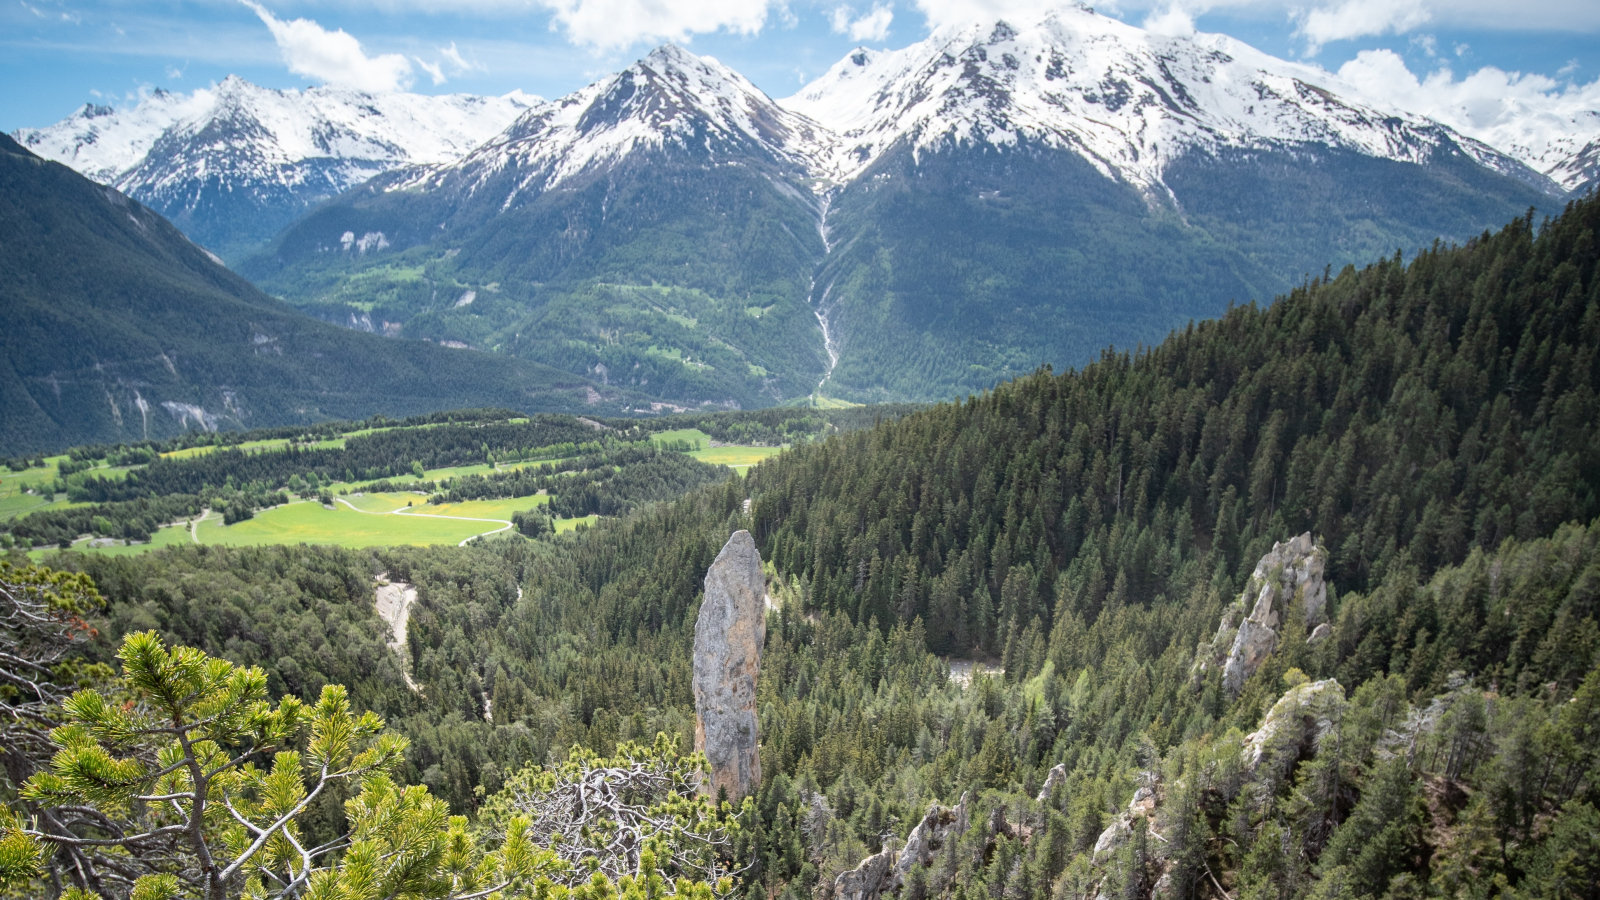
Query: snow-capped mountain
[[233, 163], [1580, 171], [671, 101], [1127, 100]]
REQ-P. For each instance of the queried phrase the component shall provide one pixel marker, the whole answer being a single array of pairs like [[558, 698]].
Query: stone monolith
[[727, 661]]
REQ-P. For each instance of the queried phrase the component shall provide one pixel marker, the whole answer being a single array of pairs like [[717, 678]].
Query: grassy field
[[736, 458], [310, 522], [694, 436], [485, 509], [376, 520], [273, 444], [13, 502], [360, 520], [166, 537]]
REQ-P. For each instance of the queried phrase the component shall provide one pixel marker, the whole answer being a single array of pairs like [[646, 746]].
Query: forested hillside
[[117, 328], [1431, 425]]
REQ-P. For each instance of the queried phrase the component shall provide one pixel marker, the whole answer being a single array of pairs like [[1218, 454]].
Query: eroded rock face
[[1056, 777], [1295, 725], [727, 661], [928, 838], [1291, 572], [1143, 805], [885, 873], [866, 881]]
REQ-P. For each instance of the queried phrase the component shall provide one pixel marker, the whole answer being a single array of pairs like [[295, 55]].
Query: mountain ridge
[[232, 164], [1127, 100], [953, 224]]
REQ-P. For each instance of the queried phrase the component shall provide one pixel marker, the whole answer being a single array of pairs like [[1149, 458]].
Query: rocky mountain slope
[[233, 164], [656, 229], [916, 224], [119, 328]]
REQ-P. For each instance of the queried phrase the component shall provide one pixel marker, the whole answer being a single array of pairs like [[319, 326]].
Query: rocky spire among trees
[[727, 661]]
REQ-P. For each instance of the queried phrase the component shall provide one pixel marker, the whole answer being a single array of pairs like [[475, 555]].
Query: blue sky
[[57, 54]]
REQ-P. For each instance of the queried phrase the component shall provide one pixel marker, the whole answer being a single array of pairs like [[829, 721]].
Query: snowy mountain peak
[[670, 101], [1127, 100], [196, 157]]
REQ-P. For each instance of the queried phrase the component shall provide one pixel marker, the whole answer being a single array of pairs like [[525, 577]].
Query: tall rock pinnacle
[[727, 660]]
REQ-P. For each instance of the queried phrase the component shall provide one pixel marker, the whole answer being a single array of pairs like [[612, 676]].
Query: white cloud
[[334, 57], [1530, 116], [459, 63], [1359, 18], [434, 70], [616, 24], [962, 12], [1174, 21], [874, 26]]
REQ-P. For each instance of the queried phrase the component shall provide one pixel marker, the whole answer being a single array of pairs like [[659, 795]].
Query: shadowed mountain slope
[[118, 328]]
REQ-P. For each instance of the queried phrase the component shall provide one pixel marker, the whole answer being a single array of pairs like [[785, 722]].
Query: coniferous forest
[[1009, 607]]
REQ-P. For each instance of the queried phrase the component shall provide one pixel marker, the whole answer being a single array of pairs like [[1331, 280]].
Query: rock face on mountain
[[727, 661], [886, 872], [1291, 572], [1056, 777], [1295, 724], [1143, 805]]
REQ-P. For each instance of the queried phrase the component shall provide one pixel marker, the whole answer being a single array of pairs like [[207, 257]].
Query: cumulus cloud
[[1174, 21], [874, 26], [333, 57], [616, 24], [1531, 116], [1359, 18], [962, 12]]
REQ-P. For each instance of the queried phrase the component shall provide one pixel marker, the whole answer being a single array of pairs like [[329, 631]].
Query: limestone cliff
[[1291, 572], [727, 662], [886, 872]]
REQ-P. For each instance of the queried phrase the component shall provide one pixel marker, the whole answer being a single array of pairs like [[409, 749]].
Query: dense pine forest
[[1068, 544]]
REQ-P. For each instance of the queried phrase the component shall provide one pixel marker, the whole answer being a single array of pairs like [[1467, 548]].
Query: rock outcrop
[[1056, 777], [886, 872], [727, 661], [866, 881], [1295, 725], [1121, 828], [1292, 572]]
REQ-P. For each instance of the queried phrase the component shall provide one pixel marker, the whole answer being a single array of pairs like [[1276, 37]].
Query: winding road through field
[[406, 511]]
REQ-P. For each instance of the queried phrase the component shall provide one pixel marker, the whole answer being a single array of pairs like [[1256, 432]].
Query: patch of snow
[[671, 98], [242, 133]]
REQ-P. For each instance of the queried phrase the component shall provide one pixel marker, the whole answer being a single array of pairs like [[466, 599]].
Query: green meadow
[[694, 436], [486, 509], [359, 520], [736, 458], [362, 520], [309, 522]]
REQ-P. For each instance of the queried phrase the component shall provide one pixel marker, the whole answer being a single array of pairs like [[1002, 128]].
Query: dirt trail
[[394, 606], [194, 524]]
